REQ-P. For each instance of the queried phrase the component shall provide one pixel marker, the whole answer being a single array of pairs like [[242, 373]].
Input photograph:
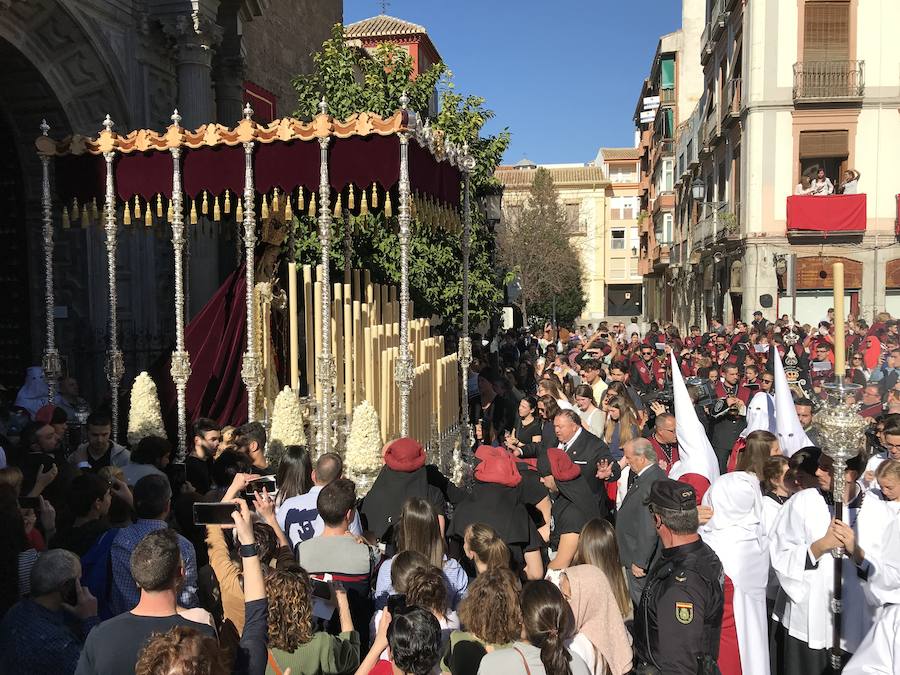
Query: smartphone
[[214, 513], [30, 503], [261, 484]]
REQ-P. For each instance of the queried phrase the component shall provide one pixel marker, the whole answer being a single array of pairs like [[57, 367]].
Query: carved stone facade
[[73, 61]]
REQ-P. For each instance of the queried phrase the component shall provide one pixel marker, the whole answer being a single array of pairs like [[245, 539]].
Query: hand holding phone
[[215, 513]]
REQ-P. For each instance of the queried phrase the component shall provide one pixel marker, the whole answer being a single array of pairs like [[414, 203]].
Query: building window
[[618, 240], [827, 150], [622, 173], [826, 31], [617, 268], [662, 228], [573, 218], [633, 268]]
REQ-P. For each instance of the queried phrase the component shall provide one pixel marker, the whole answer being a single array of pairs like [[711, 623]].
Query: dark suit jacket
[[533, 450], [635, 529], [586, 452]]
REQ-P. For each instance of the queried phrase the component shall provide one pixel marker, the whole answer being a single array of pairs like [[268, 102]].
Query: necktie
[[632, 479]]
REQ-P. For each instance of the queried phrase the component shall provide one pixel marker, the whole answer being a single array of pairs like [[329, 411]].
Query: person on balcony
[[822, 185], [850, 186], [804, 187]]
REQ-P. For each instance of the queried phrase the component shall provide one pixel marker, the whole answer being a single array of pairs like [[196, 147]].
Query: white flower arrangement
[[363, 450], [144, 416], [287, 424]]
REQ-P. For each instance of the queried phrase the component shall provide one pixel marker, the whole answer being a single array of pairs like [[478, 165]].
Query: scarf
[[598, 618]]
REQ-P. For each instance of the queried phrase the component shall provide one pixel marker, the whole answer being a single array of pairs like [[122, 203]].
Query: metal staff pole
[[181, 360], [404, 374], [251, 370], [51, 365], [326, 368], [115, 364], [465, 342]]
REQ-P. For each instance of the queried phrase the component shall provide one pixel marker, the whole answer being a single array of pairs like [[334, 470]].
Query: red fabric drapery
[[832, 214]]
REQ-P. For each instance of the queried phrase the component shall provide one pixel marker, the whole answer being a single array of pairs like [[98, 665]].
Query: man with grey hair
[[588, 452], [635, 531], [36, 635]]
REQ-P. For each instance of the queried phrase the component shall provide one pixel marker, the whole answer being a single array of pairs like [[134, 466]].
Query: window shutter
[[815, 144], [826, 31]]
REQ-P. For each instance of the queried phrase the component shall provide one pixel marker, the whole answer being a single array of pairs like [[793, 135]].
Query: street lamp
[[491, 206], [698, 190]]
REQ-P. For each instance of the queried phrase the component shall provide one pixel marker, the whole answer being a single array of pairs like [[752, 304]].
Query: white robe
[[879, 652], [873, 526], [804, 519], [737, 534]]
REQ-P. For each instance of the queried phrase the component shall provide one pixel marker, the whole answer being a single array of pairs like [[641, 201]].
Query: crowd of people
[[638, 502]]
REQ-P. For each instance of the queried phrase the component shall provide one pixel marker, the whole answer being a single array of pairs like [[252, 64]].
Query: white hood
[[695, 453], [791, 436]]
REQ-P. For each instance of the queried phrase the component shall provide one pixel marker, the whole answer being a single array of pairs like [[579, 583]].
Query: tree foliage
[[353, 81], [536, 248]]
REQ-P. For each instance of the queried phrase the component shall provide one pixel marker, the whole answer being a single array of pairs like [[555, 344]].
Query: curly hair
[[414, 636], [290, 609], [181, 650], [491, 608], [427, 588]]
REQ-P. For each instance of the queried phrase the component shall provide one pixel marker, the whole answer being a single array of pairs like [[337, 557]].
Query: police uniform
[[679, 620]]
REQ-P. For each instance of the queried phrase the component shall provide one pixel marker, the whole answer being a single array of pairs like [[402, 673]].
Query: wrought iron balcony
[[817, 81], [717, 222], [731, 106]]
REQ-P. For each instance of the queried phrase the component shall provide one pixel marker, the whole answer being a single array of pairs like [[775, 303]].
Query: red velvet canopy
[[364, 150]]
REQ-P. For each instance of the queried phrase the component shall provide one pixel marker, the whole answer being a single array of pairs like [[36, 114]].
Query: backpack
[[96, 572]]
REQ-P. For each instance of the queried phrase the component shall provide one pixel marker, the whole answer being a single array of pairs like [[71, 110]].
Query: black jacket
[[635, 527], [586, 452]]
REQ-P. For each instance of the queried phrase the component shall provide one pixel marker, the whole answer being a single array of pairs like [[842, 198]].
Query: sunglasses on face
[[768, 381]]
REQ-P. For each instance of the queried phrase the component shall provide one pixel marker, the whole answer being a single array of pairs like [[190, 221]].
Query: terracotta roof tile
[[382, 25], [611, 154], [588, 175]]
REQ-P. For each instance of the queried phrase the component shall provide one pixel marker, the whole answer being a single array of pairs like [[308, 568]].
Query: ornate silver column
[[50, 363], [251, 370], [115, 364], [403, 373], [325, 364], [465, 342], [181, 361]]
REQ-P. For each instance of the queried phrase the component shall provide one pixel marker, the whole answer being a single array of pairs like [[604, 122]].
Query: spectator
[[207, 436], [548, 625], [89, 499], [760, 446], [597, 546], [149, 458], [186, 651], [412, 639], [484, 547], [251, 440], [158, 570], [225, 467], [152, 497], [527, 428], [99, 451], [492, 617], [821, 185], [592, 418], [418, 530], [293, 642], [602, 641], [36, 635], [804, 187], [298, 514], [621, 425], [547, 409], [294, 476], [850, 184], [17, 556]]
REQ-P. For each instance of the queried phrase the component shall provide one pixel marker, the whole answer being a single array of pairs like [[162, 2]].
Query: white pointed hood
[[760, 414], [695, 453], [791, 436]]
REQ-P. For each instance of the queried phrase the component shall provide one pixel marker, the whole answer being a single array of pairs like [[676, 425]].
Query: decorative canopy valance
[[363, 152]]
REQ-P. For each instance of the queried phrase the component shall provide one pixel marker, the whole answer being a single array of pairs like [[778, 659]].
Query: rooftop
[[382, 26], [613, 154], [517, 177]]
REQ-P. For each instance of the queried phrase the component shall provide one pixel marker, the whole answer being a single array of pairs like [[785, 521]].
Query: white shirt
[[303, 519], [821, 187], [572, 440]]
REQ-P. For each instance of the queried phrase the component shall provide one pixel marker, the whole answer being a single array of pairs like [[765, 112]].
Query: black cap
[[757, 313], [672, 494]]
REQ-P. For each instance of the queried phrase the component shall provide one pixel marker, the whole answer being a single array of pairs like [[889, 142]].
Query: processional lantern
[[324, 168]]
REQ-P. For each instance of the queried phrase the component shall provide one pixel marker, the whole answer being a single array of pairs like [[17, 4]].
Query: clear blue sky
[[563, 76]]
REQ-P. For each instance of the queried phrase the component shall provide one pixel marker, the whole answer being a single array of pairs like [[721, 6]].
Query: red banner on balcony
[[834, 214]]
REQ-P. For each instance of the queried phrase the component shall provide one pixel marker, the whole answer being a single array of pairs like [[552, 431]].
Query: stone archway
[[53, 70]]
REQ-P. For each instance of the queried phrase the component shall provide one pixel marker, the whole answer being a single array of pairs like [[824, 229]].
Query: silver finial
[[176, 118], [108, 124], [404, 100], [323, 107], [248, 111], [45, 128]]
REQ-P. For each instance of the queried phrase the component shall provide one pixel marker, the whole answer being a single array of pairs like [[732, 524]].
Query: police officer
[[678, 622]]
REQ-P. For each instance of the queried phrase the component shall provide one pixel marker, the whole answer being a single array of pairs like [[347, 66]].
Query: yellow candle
[[294, 337], [840, 353]]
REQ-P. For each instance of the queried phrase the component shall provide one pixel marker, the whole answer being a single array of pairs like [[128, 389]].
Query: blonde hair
[[627, 421], [889, 467], [12, 476], [487, 546]]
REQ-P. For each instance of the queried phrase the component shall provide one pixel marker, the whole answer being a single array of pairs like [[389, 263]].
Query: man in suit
[[588, 452], [635, 528]]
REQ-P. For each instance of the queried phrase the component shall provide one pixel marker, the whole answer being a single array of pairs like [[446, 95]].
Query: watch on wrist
[[248, 550]]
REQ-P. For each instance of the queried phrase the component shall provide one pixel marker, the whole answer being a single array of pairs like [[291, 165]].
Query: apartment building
[[671, 90], [789, 88], [582, 193]]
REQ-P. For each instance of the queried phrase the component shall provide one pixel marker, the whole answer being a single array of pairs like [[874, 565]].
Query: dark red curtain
[[215, 340]]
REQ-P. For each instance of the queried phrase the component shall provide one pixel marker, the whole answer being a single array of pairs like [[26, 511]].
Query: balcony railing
[[718, 19], [829, 80], [717, 221], [732, 104], [666, 96], [709, 130]]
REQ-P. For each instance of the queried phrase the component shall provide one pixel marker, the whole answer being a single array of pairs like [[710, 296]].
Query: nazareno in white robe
[[736, 533], [879, 652], [807, 584]]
